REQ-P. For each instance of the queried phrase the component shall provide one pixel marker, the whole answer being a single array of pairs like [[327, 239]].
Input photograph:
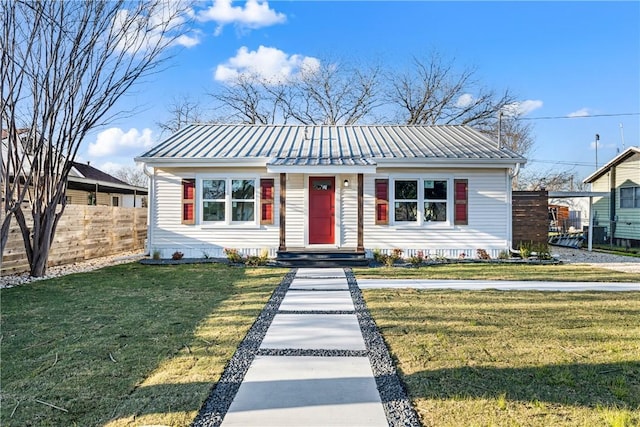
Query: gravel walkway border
[[217, 404], [395, 401], [393, 393]]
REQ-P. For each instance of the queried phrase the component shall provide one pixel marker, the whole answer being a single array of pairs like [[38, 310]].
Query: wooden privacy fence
[[83, 233], [530, 214]]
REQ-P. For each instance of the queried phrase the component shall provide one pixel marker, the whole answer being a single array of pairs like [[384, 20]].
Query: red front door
[[322, 210]]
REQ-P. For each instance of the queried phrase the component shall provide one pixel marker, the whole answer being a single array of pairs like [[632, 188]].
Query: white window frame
[[228, 200], [421, 222], [445, 200], [395, 200]]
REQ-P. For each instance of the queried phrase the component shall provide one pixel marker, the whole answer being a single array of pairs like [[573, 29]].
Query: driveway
[[626, 264]]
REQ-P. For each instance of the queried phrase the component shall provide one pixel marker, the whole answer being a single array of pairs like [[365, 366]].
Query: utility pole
[[597, 140]]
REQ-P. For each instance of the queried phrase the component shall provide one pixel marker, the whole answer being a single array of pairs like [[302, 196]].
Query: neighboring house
[[620, 212], [90, 186], [445, 190], [86, 185]]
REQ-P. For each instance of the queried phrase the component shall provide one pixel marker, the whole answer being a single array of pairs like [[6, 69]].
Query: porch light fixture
[[346, 183]]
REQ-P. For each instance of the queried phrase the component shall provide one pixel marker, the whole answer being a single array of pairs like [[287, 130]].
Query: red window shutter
[[188, 201], [266, 200], [382, 201], [461, 197]]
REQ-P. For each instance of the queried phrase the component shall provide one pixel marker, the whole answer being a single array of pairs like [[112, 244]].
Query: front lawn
[[495, 271], [124, 345], [515, 358]]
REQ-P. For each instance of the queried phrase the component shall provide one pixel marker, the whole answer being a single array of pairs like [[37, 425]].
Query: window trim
[[635, 199], [228, 200], [420, 222]]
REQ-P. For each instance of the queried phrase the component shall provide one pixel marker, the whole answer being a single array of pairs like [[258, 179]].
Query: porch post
[[360, 247], [283, 211]]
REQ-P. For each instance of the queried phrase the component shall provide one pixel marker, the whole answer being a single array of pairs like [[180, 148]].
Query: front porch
[[309, 257]]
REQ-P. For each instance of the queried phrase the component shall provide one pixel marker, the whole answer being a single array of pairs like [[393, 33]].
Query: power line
[[578, 117], [560, 162]]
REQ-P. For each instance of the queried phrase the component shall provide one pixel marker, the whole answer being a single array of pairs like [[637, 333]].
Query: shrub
[[482, 254], [417, 259], [177, 255], [504, 255], [525, 249], [378, 256], [542, 251], [396, 254], [233, 255], [255, 261], [156, 254]]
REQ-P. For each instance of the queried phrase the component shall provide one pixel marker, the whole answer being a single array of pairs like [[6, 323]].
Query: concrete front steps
[[322, 258]]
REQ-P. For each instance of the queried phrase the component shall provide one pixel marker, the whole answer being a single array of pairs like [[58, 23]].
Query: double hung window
[[228, 201], [435, 200], [423, 201], [214, 200], [630, 197], [406, 200]]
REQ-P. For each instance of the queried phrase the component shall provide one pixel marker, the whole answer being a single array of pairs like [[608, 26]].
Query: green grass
[[553, 273], [125, 345], [618, 250], [515, 358]]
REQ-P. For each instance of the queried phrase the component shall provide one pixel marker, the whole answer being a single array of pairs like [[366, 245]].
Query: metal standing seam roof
[[327, 144]]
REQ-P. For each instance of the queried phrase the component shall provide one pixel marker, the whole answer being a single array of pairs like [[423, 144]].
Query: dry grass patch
[[494, 271], [515, 358], [125, 345]]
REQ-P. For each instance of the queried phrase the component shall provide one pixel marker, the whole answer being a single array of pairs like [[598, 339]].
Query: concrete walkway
[[312, 367]]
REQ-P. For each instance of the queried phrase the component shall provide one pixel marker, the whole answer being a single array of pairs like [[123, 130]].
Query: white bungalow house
[[445, 190]]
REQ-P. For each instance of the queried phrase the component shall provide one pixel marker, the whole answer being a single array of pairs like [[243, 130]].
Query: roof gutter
[[106, 183]]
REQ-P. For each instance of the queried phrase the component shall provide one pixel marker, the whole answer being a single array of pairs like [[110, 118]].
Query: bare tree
[[182, 111], [512, 133], [63, 67], [251, 99], [551, 180], [432, 92], [132, 176], [333, 93]]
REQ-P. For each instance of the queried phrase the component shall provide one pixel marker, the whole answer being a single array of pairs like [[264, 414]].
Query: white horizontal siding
[[488, 212], [296, 221], [197, 241], [628, 219], [348, 210]]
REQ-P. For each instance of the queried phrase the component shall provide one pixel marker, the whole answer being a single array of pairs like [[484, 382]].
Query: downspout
[[150, 205], [512, 174], [612, 204]]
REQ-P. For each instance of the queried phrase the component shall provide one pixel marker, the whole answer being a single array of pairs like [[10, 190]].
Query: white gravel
[[12, 280], [622, 263]]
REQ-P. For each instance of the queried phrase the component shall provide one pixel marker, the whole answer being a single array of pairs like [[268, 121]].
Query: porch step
[[324, 258]]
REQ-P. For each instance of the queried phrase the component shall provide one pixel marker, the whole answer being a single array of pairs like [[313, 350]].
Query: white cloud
[[522, 108], [583, 112], [116, 142], [159, 27], [464, 101], [112, 167], [266, 63], [188, 40], [254, 14]]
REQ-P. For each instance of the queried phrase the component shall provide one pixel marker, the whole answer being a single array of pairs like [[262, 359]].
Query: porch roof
[[335, 146], [330, 165]]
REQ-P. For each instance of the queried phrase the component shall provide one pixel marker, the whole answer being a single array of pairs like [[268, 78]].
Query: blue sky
[[560, 58]]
